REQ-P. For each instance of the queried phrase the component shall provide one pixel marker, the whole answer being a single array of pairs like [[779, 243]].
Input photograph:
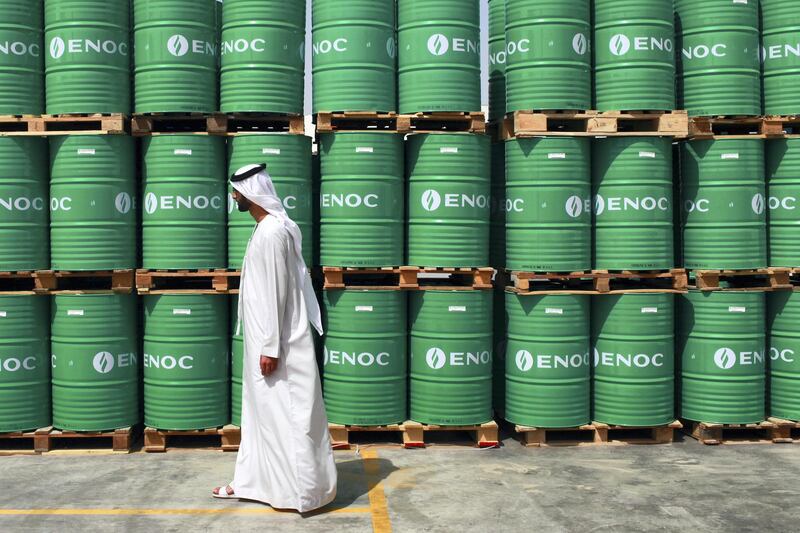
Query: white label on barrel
[[740, 2], [364, 149], [182, 151], [736, 309], [86, 151], [448, 150], [730, 156], [182, 312], [271, 151], [3, 314], [458, 309], [74, 312], [647, 155], [649, 309], [363, 309], [556, 155], [553, 311]]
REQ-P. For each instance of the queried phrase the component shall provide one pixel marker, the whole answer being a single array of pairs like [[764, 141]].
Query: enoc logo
[[123, 202], [431, 200], [178, 45], [648, 203], [19, 48], [57, 47], [103, 362], [150, 203], [391, 47], [619, 45], [574, 206], [524, 360], [758, 203], [725, 358], [435, 358], [13, 364], [580, 44], [438, 44]]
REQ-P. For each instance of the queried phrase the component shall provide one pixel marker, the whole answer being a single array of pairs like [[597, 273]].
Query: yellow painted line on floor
[[377, 498], [145, 512]]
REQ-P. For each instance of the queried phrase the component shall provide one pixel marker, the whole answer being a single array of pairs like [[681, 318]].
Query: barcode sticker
[[458, 308], [271, 151], [448, 150], [647, 155], [74, 312], [363, 309], [730, 156], [554, 311], [86, 151], [737, 309], [649, 309], [364, 149], [182, 151], [556, 155], [185, 312]]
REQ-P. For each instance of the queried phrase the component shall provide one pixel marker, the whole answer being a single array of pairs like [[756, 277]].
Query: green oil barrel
[[783, 186], [24, 229], [633, 205], [548, 204], [451, 357], [548, 55], [263, 56], [499, 333], [177, 56], [449, 189], [92, 202], [21, 59], [237, 363], [783, 316], [186, 361], [365, 373], [724, 204], [633, 336], [719, 71], [497, 230], [722, 342], [288, 159], [24, 363], [548, 362], [634, 64], [354, 47], [361, 199], [780, 24], [95, 362], [497, 60], [183, 216], [88, 56], [439, 55]]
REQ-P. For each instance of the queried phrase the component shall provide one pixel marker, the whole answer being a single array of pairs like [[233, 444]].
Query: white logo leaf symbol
[[725, 358], [574, 206], [580, 44], [103, 362], [438, 44], [57, 47], [435, 358], [150, 203], [178, 45], [524, 360], [599, 205], [123, 202], [758, 203], [431, 200], [391, 47], [620, 45]]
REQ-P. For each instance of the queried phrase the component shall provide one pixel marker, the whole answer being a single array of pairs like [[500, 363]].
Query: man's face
[[242, 202]]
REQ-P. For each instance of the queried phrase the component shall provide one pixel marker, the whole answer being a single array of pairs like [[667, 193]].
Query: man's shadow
[[357, 476]]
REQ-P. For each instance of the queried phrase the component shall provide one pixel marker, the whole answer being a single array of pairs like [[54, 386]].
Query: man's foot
[[223, 492]]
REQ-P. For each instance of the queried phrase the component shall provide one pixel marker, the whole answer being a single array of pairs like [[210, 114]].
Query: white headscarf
[[260, 190]]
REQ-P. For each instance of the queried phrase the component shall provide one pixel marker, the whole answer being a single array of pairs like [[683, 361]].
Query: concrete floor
[[680, 487]]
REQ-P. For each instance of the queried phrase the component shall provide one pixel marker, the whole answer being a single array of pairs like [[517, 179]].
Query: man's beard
[[244, 205]]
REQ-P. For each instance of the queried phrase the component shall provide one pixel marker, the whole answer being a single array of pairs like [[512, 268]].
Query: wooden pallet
[[120, 440], [340, 434], [229, 438], [601, 281], [66, 124], [202, 281], [408, 277], [441, 122], [752, 279], [57, 281], [597, 433], [593, 123], [750, 127], [714, 434], [21, 282], [216, 123], [781, 125], [485, 435], [25, 442], [786, 430], [356, 121]]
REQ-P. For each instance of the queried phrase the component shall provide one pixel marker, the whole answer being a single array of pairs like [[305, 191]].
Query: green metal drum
[[548, 205], [449, 182], [186, 361], [780, 20], [547, 360], [634, 64], [722, 343], [497, 59], [633, 336], [365, 374], [177, 56], [92, 202], [95, 362], [87, 63], [183, 216], [548, 55], [451, 357], [24, 363], [288, 159], [783, 184], [24, 229], [724, 204], [632, 189], [783, 312], [499, 331], [237, 363], [21, 60], [497, 230], [355, 55], [439, 55], [718, 63], [263, 56], [361, 199]]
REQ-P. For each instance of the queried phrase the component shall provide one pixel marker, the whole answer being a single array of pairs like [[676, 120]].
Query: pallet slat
[[66, 124], [599, 281], [715, 434], [751, 279], [594, 123], [413, 433], [401, 123], [216, 123], [157, 440], [201, 281], [598, 433], [119, 440], [407, 278]]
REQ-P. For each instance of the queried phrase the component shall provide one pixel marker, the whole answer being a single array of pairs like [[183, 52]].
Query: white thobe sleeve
[[272, 279]]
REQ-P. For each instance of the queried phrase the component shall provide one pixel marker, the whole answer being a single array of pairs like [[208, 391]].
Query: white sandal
[[223, 493]]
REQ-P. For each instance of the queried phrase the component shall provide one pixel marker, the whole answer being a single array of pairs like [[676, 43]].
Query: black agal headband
[[248, 173]]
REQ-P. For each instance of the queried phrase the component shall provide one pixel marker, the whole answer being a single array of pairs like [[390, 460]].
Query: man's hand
[[268, 365]]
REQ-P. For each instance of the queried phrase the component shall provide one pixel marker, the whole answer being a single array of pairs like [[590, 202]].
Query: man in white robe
[[285, 457]]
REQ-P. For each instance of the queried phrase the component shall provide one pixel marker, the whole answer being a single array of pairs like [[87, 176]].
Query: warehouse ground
[[681, 487]]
